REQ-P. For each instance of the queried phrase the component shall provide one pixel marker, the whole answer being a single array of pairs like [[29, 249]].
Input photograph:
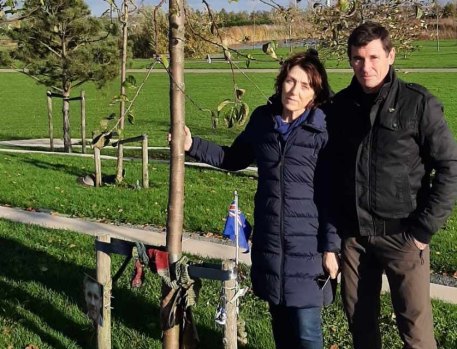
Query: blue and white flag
[[244, 228]]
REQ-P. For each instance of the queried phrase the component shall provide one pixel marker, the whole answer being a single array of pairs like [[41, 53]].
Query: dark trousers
[[296, 328], [408, 271]]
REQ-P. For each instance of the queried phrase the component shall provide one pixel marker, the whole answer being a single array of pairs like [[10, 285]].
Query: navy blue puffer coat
[[287, 240]]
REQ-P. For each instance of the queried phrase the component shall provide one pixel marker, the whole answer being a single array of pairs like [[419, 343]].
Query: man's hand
[[331, 263]]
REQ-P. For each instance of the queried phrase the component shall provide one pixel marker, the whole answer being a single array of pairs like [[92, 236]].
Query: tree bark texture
[[120, 147], [171, 337], [66, 122]]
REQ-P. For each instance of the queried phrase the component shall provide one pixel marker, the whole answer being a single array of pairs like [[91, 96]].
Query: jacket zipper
[[370, 147], [281, 232]]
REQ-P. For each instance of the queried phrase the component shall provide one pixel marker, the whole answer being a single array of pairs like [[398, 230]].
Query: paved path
[[201, 247], [58, 144]]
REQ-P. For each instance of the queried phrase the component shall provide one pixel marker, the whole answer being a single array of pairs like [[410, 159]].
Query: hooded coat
[[288, 241]]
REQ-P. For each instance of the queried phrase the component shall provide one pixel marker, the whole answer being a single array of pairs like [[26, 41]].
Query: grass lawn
[[41, 301], [41, 271], [426, 56], [26, 114], [49, 182]]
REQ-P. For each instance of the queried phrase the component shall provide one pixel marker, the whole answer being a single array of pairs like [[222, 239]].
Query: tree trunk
[[66, 122], [120, 147], [177, 115]]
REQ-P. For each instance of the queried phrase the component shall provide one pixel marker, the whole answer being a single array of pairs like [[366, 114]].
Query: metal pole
[[237, 229]]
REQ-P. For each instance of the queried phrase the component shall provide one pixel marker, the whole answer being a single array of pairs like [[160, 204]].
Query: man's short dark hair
[[367, 32]]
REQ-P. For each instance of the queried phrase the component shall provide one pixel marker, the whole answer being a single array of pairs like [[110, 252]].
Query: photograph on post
[[93, 295]]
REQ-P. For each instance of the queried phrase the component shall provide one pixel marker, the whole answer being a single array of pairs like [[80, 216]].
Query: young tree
[[62, 47], [171, 336]]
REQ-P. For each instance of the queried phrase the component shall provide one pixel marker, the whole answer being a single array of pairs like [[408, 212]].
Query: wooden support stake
[[230, 328], [50, 125], [98, 167], [104, 278], [83, 122], [144, 145]]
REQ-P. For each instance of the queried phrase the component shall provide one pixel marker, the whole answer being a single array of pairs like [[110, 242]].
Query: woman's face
[[296, 93]]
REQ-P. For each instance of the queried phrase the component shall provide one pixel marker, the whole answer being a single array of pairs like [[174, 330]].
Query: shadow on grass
[[46, 165], [26, 298]]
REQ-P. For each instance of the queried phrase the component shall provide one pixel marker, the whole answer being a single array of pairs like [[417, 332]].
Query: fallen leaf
[[31, 346], [334, 346], [72, 246], [455, 275]]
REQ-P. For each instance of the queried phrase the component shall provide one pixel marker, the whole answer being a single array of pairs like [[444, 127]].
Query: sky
[[98, 6]]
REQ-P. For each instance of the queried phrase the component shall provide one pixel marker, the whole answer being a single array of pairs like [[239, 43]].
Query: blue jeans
[[296, 328]]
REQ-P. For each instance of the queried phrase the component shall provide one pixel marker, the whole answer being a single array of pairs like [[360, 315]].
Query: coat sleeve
[[328, 239], [439, 150], [233, 158]]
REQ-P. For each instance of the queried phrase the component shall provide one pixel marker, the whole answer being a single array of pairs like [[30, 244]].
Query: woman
[[290, 249]]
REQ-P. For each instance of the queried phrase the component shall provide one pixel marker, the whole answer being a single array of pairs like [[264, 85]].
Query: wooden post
[[230, 329], [104, 278], [50, 125], [144, 145], [98, 167], [83, 122]]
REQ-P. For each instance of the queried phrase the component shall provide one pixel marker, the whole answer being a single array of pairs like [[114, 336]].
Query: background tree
[[62, 47], [149, 33], [404, 19], [449, 10]]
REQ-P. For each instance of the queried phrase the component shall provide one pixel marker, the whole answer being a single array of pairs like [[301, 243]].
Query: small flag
[[244, 230]]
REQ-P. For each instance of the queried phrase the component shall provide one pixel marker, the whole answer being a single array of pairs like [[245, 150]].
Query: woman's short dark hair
[[367, 32], [310, 63]]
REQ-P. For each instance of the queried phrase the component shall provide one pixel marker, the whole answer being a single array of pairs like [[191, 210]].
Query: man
[[395, 184], [93, 297]]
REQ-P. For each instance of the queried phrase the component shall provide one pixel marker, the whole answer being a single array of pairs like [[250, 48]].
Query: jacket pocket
[[403, 192]]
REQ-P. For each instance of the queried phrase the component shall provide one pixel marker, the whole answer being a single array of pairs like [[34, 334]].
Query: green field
[[26, 116], [27, 183], [41, 271], [425, 56]]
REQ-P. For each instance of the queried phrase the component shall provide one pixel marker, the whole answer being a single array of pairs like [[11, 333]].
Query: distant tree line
[[233, 19], [450, 10]]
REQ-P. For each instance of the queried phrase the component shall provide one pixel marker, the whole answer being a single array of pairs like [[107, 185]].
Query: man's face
[[371, 65], [93, 299]]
